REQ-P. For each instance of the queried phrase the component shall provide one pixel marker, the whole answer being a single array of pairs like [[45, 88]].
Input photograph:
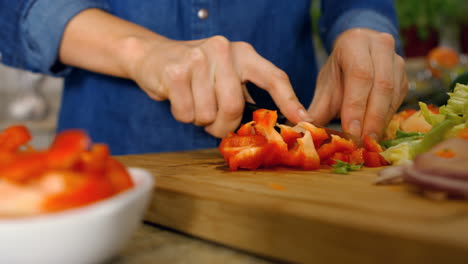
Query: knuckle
[[175, 72], [197, 56], [183, 114], [205, 117], [378, 117], [385, 85], [401, 64], [243, 45], [233, 109], [386, 39], [220, 43], [281, 75], [362, 72], [356, 104]]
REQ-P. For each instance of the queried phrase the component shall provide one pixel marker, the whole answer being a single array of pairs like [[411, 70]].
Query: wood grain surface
[[303, 216]]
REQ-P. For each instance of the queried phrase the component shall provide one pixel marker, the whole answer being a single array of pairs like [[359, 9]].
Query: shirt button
[[203, 14]]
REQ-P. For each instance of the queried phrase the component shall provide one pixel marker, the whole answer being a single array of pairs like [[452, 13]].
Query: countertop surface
[[157, 244]]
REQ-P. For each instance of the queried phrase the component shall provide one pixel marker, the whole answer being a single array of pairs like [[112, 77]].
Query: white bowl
[[90, 234]]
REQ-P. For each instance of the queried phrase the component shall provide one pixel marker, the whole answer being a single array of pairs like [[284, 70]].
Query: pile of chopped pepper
[[257, 144], [73, 172]]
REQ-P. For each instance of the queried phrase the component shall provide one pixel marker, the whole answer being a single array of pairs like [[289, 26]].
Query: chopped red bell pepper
[[247, 129], [243, 151], [318, 134], [303, 154], [80, 189], [289, 135], [373, 159], [337, 144], [371, 145], [14, 137], [67, 148]]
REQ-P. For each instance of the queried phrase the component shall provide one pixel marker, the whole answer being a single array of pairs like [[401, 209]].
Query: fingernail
[[305, 116], [355, 128]]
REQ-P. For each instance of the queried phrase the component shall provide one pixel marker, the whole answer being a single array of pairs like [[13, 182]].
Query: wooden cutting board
[[303, 216]]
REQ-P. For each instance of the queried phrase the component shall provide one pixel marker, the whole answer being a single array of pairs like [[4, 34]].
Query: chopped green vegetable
[[436, 135], [400, 154], [401, 137], [342, 167]]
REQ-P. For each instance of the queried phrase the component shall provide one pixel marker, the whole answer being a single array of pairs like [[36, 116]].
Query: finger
[[247, 95], [383, 90], [228, 90], [256, 69], [178, 80], [204, 97], [358, 76], [401, 86], [326, 102]]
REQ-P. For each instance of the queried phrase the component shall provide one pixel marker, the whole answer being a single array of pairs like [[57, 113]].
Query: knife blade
[[250, 108]]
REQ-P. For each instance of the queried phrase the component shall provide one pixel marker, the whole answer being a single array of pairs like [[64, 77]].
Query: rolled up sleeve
[[378, 15], [41, 27]]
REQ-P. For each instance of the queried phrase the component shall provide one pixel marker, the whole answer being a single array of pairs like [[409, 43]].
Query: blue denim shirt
[[117, 112]]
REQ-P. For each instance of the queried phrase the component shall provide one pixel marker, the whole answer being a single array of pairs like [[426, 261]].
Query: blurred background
[[434, 35]]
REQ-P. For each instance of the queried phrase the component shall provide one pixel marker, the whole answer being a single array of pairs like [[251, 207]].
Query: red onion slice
[[455, 167], [435, 182]]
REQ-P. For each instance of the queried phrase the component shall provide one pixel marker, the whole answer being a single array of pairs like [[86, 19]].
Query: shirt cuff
[[42, 25], [361, 18]]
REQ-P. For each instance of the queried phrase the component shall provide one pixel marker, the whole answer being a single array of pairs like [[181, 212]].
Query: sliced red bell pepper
[[303, 154], [373, 159], [337, 144], [243, 151], [67, 148], [356, 157], [247, 129], [371, 145], [79, 189], [265, 121], [319, 135], [289, 135], [14, 137], [24, 166], [118, 175]]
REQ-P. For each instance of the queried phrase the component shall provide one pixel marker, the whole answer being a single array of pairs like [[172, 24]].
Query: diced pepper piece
[[24, 166], [303, 154], [243, 151], [356, 157], [265, 125], [289, 135], [319, 134], [79, 189], [371, 145], [247, 129], [94, 160], [67, 148], [118, 175], [373, 159], [14, 137], [338, 144]]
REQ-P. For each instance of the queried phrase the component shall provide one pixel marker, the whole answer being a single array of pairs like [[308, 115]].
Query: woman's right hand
[[205, 80]]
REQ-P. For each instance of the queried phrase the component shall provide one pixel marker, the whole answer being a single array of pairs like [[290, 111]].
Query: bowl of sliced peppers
[[70, 203]]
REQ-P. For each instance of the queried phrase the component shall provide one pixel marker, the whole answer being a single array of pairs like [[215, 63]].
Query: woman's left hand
[[364, 82]]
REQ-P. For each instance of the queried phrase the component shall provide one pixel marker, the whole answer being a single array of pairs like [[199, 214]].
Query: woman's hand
[[363, 81], [204, 80]]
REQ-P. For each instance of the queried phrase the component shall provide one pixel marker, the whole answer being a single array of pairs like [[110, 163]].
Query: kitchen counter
[[155, 244]]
